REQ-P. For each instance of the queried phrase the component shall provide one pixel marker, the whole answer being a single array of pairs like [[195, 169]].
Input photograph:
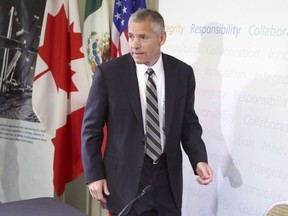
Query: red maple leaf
[[61, 46]]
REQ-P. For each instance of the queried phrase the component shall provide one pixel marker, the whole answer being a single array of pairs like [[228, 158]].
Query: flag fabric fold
[[122, 12], [96, 33], [61, 87], [96, 39]]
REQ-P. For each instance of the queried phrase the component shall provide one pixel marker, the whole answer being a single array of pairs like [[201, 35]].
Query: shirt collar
[[142, 68]]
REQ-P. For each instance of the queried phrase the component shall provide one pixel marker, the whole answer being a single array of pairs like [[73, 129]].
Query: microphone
[[147, 189]]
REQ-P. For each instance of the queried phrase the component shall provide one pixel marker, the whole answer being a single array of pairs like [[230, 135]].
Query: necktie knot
[[150, 72]]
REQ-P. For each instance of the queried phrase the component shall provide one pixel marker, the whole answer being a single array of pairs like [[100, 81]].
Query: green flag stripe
[[91, 6]]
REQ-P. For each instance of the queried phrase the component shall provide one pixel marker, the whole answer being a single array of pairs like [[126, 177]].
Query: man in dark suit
[[118, 98]]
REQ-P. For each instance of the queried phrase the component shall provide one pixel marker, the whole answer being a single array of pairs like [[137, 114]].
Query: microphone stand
[[144, 191]]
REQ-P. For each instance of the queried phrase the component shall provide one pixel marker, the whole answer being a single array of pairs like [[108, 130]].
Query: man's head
[[146, 32]]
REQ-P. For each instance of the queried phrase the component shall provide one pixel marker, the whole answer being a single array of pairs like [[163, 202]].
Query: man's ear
[[162, 38]]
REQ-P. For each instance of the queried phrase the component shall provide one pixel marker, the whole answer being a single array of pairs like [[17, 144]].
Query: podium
[[45, 206]]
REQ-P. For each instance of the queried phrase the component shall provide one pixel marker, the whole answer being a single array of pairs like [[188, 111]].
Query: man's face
[[144, 43]]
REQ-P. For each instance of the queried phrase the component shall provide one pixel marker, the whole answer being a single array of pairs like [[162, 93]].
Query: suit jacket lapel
[[130, 82], [171, 80]]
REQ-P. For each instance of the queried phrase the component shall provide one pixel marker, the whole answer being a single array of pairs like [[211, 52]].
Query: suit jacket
[[114, 99]]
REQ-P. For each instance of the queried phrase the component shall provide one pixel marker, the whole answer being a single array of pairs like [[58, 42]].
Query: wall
[[239, 53]]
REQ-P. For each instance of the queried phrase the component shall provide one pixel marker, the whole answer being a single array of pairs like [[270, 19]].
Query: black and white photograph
[[20, 29]]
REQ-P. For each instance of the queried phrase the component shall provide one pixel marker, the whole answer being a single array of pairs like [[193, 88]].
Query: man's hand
[[97, 188], [205, 173]]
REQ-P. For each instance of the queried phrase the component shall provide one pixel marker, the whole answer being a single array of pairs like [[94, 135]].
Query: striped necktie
[[153, 147]]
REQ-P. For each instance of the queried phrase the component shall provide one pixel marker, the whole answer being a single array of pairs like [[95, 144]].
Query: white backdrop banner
[[26, 156], [239, 53]]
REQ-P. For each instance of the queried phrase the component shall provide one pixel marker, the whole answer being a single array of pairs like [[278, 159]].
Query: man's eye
[[144, 37]]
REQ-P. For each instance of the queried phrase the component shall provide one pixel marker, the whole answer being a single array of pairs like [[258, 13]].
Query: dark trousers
[[159, 201]]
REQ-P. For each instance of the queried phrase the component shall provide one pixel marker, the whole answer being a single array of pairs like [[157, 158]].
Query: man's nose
[[135, 44]]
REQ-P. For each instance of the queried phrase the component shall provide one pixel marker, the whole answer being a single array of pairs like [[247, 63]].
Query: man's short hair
[[141, 15]]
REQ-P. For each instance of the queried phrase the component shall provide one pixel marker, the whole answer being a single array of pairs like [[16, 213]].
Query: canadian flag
[[61, 86]]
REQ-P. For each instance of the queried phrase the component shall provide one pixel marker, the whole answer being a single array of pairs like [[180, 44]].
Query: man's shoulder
[[169, 59], [118, 62]]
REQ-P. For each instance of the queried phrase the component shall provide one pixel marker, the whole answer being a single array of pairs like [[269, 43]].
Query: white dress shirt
[[159, 79]]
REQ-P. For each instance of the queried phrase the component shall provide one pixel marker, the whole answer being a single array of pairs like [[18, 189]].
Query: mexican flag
[[61, 88], [96, 33]]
